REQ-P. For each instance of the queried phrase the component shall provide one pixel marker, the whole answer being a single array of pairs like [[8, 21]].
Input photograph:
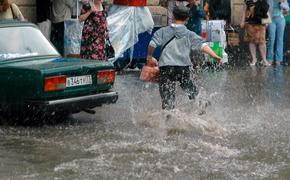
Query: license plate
[[78, 81]]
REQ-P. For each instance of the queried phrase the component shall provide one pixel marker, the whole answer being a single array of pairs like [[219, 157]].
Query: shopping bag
[[150, 72], [45, 28]]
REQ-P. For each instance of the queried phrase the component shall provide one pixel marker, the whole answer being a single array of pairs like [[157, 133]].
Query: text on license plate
[[78, 81]]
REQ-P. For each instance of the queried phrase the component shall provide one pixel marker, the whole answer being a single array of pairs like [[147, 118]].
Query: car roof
[[13, 23]]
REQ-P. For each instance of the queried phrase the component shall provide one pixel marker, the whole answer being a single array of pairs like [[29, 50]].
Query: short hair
[[181, 13]]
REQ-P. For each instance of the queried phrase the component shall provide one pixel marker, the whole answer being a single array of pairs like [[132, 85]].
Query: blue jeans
[[286, 38], [276, 39]]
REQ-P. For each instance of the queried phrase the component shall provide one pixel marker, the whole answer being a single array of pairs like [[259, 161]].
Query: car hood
[[52, 63]]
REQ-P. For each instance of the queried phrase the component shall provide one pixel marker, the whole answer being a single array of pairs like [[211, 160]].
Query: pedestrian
[[255, 31], [10, 11], [276, 30], [95, 31], [220, 10], [175, 64], [171, 5], [286, 36], [61, 11], [196, 14]]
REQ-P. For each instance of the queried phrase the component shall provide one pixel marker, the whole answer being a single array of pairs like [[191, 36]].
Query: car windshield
[[26, 41]]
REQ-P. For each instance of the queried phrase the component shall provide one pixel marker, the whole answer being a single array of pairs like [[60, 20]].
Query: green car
[[35, 78]]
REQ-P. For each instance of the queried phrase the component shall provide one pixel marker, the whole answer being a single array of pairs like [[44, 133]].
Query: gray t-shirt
[[177, 52]]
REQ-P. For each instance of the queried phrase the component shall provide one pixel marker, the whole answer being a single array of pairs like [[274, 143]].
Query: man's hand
[[151, 61], [206, 49], [219, 59]]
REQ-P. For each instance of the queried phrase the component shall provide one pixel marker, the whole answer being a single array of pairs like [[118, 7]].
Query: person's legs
[[263, 51], [280, 22], [167, 87], [253, 51], [271, 42], [285, 45], [187, 84]]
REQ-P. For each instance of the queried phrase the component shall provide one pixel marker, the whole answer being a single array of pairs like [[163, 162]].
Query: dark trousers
[[169, 75], [57, 36], [286, 43]]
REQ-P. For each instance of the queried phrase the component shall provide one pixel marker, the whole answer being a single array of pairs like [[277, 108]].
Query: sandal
[[253, 64], [266, 63]]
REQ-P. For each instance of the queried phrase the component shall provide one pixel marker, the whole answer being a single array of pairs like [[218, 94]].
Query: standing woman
[[95, 31], [255, 31], [10, 11], [276, 30], [196, 14]]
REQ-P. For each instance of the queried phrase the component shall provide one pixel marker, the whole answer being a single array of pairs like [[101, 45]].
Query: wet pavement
[[243, 135]]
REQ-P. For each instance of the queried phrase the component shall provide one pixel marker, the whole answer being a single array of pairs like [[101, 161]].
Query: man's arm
[[150, 51], [198, 44], [155, 41], [206, 49]]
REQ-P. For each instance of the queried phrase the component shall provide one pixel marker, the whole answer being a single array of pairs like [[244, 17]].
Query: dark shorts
[[169, 75]]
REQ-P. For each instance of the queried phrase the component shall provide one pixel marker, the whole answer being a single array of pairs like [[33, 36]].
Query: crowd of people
[[262, 20], [259, 17]]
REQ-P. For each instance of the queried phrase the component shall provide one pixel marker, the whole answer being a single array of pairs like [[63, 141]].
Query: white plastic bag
[[45, 28], [125, 23], [216, 32], [72, 36]]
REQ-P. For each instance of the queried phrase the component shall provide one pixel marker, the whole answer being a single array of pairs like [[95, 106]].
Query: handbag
[[109, 49], [150, 72], [110, 52], [267, 20]]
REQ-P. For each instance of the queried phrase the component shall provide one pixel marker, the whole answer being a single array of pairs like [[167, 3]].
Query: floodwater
[[243, 135]]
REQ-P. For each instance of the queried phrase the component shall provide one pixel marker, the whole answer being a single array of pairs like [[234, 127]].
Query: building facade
[[28, 8]]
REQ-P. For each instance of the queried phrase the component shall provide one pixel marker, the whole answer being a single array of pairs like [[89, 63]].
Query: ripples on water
[[244, 134]]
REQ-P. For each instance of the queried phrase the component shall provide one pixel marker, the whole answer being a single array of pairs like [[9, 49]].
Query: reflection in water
[[243, 135]]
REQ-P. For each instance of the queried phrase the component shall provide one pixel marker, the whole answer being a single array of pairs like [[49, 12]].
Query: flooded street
[[243, 135]]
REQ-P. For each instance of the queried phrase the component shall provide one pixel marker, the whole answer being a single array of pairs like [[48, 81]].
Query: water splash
[[176, 121]]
